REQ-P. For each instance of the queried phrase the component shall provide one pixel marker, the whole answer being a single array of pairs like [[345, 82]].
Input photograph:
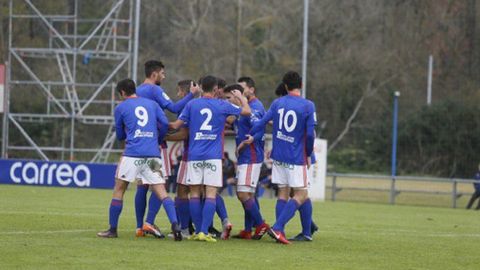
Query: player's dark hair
[[208, 83], [232, 87], [281, 91], [184, 85], [126, 85], [221, 82], [152, 66], [247, 80], [292, 80]]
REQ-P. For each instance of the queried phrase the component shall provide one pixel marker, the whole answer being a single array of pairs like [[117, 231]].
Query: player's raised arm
[[260, 124], [246, 111]]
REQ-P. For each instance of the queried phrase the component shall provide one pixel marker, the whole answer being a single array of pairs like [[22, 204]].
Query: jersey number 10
[[283, 121]]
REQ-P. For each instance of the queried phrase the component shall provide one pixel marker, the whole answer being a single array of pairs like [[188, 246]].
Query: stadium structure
[[71, 69]]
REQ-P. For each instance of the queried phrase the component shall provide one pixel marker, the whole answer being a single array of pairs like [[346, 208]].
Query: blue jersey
[[157, 94], [205, 118], [252, 153], [293, 129], [141, 123]]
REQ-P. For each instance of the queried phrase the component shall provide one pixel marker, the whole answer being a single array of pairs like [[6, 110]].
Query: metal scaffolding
[[60, 82]]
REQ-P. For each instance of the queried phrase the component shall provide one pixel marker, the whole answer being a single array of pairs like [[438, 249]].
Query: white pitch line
[[45, 232], [401, 233], [51, 213]]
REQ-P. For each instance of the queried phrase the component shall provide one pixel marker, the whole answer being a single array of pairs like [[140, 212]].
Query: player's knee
[[300, 195], [243, 196], [182, 191]]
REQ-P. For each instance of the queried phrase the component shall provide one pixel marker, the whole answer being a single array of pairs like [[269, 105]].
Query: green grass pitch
[[54, 228]]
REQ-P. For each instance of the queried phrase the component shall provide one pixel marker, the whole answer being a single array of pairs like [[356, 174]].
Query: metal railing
[[394, 191]]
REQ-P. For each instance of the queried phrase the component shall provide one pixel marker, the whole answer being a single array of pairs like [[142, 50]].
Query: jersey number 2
[[206, 124], [142, 115]]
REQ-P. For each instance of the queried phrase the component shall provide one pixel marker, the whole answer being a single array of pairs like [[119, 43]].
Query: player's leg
[[246, 233], [154, 177], [472, 200], [296, 178], [182, 201], [116, 206], [194, 182], [248, 175], [478, 197], [169, 206], [305, 211], [154, 203], [212, 180], [183, 207], [208, 212], [195, 206], [221, 210], [140, 206], [127, 172]]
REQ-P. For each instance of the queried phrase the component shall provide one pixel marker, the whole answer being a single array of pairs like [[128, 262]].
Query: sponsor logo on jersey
[[284, 165], [204, 165], [202, 136], [284, 137], [143, 134], [50, 174]]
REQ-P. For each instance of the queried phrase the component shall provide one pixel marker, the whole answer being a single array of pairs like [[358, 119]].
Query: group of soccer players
[[141, 122]]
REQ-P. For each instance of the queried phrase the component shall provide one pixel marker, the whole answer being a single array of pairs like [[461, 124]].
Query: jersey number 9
[[142, 115]]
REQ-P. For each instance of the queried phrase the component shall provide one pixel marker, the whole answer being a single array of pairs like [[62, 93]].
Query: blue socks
[[207, 214], [248, 220], [287, 213], [279, 208], [154, 204], [114, 213], [306, 217], [183, 209], [220, 208], [170, 209], [196, 213], [251, 206], [140, 204]]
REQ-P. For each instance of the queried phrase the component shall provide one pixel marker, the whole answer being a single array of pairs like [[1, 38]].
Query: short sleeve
[[185, 115]]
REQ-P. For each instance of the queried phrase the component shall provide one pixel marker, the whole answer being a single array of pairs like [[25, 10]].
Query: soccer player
[[151, 89], [141, 123], [293, 137], [205, 118], [182, 201], [308, 226], [249, 159], [221, 86]]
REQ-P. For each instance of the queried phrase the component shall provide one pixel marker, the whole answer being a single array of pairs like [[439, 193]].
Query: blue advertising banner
[[57, 174]]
